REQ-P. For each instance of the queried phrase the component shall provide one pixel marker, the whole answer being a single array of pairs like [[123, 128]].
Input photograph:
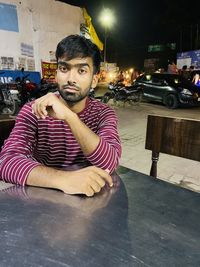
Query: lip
[[70, 89]]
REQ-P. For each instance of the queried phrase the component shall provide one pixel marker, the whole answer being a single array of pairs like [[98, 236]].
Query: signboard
[[159, 47], [49, 70], [8, 18], [9, 76], [22, 63], [26, 50], [155, 48], [30, 64], [7, 63], [189, 58]]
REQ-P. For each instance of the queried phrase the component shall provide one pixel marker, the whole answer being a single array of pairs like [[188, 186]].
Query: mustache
[[70, 85]]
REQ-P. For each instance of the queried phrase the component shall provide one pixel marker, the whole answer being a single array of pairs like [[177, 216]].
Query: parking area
[[132, 127]]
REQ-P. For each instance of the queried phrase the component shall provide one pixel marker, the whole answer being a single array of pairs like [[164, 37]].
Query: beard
[[73, 97]]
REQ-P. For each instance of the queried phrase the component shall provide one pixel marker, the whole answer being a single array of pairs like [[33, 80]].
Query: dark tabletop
[[139, 222]]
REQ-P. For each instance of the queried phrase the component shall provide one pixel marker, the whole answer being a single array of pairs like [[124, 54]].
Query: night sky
[[143, 23]]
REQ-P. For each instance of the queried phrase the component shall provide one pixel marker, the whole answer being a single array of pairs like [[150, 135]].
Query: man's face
[[75, 78]]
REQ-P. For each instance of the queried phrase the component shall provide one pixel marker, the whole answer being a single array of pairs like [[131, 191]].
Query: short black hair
[[74, 46]]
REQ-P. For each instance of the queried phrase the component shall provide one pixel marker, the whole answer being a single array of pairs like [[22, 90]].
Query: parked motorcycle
[[46, 87], [26, 88], [9, 99], [119, 92], [30, 90]]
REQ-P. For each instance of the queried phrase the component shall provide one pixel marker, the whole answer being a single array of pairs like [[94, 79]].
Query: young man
[[58, 131]]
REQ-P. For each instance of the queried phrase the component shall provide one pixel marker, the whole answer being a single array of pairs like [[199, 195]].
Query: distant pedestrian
[[192, 72], [172, 68], [196, 79], [184, 72], [135, 74], [121, 77]]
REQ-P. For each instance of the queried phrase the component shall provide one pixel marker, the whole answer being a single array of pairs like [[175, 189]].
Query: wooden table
[[140, 222]]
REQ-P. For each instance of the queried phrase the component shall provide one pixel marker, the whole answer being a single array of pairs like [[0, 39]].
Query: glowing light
[[107, 18], [131, 70]]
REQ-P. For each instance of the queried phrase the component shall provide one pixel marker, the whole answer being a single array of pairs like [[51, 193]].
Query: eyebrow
[[68, 65]]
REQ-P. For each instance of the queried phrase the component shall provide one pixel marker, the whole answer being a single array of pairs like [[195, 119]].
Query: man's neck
[[76, 107]]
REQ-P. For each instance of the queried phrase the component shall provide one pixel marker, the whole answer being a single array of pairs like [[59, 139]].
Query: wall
[[41, 25]]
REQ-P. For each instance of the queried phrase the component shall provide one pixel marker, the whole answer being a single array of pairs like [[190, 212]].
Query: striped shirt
[[50, 142]]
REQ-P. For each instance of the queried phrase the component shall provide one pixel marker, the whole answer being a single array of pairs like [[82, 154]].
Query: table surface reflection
[[139, 222]]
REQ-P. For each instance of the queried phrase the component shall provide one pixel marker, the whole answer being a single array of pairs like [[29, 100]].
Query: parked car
[[172, 90]]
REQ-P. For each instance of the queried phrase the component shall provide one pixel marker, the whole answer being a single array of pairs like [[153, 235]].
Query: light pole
[[107, 20], [105, 44]]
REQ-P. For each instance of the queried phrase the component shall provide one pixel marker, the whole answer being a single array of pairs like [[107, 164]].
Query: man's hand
[[50, 105], [86, 181]]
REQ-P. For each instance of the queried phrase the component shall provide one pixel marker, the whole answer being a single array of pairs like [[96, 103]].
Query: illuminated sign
[[159, 47]]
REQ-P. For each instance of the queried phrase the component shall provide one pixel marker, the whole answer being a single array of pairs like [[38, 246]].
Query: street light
[[107, 20]]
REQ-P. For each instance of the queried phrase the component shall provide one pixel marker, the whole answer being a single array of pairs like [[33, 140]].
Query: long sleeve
[[16, 160], [50, 142], [108, 152]]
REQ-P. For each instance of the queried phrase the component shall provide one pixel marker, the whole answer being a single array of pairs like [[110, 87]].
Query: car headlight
[[186, 92]]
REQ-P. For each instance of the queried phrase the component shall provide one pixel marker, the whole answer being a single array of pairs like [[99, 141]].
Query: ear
[[95, 80]]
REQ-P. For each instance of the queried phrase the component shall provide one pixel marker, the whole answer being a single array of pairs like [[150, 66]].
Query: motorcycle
[[9, 99], [46, 87], [30, 90], [119, 92], [27, 89]]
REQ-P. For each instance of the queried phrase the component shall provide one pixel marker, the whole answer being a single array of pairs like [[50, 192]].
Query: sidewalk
[[132, 128]]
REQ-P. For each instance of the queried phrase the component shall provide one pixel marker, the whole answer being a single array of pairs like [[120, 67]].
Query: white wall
[[42, 24]]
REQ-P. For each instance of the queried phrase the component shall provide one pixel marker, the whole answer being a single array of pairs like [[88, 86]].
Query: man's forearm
[[86, 138], [86, 181], [47, 177]]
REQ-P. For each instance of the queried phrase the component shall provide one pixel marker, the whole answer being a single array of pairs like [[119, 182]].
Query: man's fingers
[[40, 108], [43, 109], [40, 105], [95, 186], [99, 180], [36, 109], [105, 176], [89, 191]]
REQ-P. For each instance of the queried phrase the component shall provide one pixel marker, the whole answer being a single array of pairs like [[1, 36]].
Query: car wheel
[[171, 101]]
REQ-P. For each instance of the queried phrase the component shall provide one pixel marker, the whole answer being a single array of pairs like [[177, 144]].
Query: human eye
[[82, 71], [62, 68]]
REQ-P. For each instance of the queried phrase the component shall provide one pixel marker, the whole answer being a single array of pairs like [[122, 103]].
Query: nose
[[71, 76]]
